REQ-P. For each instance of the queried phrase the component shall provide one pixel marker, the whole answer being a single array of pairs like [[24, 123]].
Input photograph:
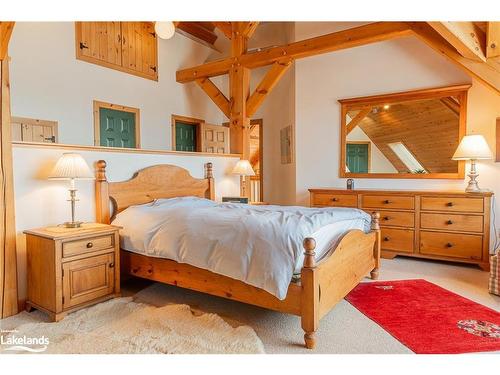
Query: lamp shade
[[472, 147], [71, 166], [243, 168], [165, 30]]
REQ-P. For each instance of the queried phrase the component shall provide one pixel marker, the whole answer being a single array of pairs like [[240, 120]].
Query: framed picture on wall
[[286, 142]]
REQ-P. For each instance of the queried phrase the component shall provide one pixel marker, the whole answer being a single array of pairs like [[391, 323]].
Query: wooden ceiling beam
[[366, 34], [270, 80], [5, 33], [487, 72], [492, 39], [249, 29], [467, 38], [215, 94], [357, 119], [225, 27], [452, 104], [197, 30]]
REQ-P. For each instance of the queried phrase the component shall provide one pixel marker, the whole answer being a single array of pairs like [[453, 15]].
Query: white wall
[[391, 66], [378, 162], [48, 82], [40, 202]]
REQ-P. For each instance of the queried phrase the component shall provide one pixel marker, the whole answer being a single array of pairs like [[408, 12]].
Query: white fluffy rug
[[123, 326]]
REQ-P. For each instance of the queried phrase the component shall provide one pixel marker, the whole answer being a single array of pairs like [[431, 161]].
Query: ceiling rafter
[[492, 39], [225, 28], [371, 33], [357, 119], [467, 38], [5, 33], [215, 94], [272, 77]]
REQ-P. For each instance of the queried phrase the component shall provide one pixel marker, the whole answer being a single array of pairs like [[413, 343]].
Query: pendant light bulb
[[165, 30]]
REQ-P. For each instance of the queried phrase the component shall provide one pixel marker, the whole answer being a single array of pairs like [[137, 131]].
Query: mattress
[[259, 245]]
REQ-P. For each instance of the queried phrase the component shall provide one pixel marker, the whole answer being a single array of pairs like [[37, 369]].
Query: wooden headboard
[[148, 184]]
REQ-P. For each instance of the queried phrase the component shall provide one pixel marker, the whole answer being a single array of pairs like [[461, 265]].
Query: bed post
[[310, 294], [376, 247], [210, 177], [101, 194]]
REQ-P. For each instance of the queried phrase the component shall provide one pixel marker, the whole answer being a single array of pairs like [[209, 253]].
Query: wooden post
[[8, 261], [310, 294], [210, 177], [102, 194], [376, 247], [239, 89]]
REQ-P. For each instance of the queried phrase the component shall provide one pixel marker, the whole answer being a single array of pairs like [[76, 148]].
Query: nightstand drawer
[[87, 245], [334, 200], [466, 246], [451, 222]]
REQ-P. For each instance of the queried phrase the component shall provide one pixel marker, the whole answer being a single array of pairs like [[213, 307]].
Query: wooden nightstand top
[[60, 232]]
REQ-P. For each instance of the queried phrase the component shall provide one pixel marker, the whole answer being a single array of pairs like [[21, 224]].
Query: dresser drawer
[[335, 200], [400, 240], [397, 218], [388, 201], [87, 245], [451, 222], [455, 204], [465, 246]]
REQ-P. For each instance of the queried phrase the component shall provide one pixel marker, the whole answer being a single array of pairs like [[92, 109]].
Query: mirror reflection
[[409, 137]]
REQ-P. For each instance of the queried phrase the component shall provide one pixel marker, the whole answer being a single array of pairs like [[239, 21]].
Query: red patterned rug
[[427, 318]]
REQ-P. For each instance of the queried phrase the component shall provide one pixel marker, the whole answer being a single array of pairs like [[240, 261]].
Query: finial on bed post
[[101, 171], [309, 246], [209, 175], [102, 211], [376, 246]]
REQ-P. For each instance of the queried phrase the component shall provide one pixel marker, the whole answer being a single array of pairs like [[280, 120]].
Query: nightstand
[[70, 268]]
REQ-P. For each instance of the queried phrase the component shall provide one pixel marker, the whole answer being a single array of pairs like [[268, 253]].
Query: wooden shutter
[[215, 139], [130, 47], [33, 130]]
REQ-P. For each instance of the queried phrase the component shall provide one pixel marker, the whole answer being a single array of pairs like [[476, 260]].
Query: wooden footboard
[[326, 283]]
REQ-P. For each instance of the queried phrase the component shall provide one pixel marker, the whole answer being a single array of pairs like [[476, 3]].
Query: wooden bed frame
[[321, 286]]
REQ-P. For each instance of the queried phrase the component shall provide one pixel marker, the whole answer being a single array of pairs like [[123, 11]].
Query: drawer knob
[[111, 265], [449, 222], [449, 244], [335, 199], [90, 245], [449, 204], [387, 218], [387, 201], [386, 238]]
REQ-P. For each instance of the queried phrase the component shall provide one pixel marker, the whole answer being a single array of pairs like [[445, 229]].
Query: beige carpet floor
[[344, 329]]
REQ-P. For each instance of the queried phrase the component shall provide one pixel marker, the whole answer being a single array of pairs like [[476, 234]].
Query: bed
[[326, 275]]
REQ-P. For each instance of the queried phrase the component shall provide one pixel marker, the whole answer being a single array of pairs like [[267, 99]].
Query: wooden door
[[87, 279], [117, 128], [139, 48], [33, 130], [215, 139], [100, 41], [185, 136], [358, 155]]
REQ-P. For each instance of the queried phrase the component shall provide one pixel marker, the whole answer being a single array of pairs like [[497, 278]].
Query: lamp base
[[72, 224]]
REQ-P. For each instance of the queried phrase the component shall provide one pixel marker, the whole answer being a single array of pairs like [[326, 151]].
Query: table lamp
[[472, 147], [71, 166], [243, 168]]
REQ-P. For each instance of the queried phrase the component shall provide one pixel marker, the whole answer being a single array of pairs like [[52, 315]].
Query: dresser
[[70, 268], [443, 225]]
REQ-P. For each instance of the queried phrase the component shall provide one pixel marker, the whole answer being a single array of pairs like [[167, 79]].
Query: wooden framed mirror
[[409, 134]]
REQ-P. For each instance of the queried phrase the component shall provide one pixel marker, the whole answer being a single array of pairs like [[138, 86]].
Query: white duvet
[[259, 245]]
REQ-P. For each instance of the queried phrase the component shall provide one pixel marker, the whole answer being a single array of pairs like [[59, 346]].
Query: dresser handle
[[386, 238], [387, 218], [387, 201], [449, 222], [449, 244], [335, 199], [111, 265], [90, 245], [449, 204]]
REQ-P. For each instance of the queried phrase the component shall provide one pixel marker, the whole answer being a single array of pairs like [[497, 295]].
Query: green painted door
[[357, 157], [117, 128], [185, 136]]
